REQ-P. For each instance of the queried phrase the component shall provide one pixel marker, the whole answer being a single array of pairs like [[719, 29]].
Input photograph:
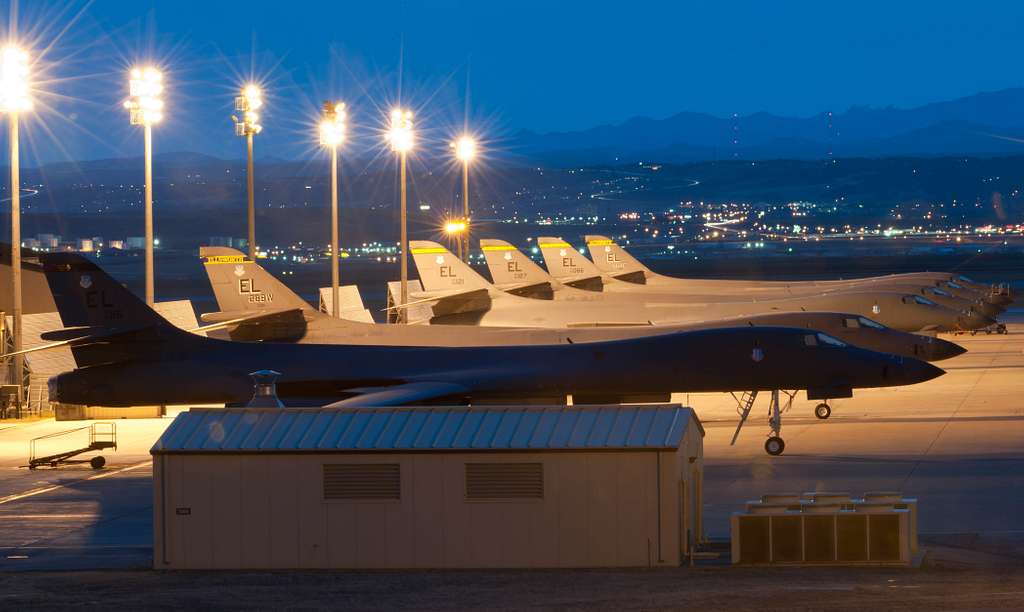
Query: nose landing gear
[[774, 445], [823, 410]]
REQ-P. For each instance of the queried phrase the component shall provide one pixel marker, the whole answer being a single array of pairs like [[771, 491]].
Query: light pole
[[400, 136], [14, 98], [465, 152], [332, 134], [146, 108], [249, 125]]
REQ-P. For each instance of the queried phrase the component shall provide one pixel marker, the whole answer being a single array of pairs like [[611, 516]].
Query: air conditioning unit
[[826, 528]]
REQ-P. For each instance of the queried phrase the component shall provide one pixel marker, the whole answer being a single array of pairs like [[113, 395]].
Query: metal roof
[[532, 428]]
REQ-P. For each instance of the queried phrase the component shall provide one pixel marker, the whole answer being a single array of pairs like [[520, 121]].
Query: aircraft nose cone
[[913, 371], [939, 349]]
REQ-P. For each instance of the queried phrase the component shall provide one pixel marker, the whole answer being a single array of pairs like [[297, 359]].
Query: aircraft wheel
[[822, 411], [97, 462], [774, 446]]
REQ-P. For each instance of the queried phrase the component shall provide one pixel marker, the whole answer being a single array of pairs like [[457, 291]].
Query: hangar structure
[[428, 487]]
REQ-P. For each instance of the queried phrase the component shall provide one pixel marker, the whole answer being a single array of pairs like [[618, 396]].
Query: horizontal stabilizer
[[540, 291], [585, 282], [399, 395], [220, 320], [450, 302]]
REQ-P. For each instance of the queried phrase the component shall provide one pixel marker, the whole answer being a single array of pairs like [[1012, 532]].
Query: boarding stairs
[[101, 436]]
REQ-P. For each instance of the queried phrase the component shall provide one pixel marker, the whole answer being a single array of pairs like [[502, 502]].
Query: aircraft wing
[[398, 395]]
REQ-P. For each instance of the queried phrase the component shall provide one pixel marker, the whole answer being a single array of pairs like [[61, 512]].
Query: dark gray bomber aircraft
[[129, 355]]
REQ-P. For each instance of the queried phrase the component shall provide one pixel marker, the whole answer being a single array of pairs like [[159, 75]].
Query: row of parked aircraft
[[603, 331]]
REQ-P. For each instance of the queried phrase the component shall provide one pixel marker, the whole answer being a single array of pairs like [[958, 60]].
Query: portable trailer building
[[428, 487]]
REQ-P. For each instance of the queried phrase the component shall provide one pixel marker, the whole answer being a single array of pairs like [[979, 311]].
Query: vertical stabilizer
[[511, 267], [439, 270], [241, 284], [614, 261], [568, 265]]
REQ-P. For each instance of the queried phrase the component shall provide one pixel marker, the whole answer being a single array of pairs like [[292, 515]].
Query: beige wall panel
[[341, 530], [602, 519], [312, 514], [456, 511], [255, 492], [226, 499], [198, 526], [399, 541], [634, 474], [670, 508], [573, 511], [426, 505], [284, 507], [544, 533]]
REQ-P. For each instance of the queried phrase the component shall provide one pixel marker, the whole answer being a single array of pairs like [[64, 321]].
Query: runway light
[[400, 136], [465, 149], [145, 85], [332, 127], [14, 94]]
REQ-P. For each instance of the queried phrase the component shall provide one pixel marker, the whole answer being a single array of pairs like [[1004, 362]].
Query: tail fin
[[86, 296], [510, 269], [242, 285], [439, 270], [567, 265], [110, 323], [614, 261]]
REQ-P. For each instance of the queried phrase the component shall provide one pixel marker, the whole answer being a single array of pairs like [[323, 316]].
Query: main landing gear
[[774, 445]]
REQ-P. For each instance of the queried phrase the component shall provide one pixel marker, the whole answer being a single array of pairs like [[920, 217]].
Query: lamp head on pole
[[14, 86], [248, 103], [144, 104], [455, 227], [400, 136], [332, 125], [465, 149]]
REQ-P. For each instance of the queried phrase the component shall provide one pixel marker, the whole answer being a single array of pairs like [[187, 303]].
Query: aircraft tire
[[97, 462], [822, 411], [774, 446]]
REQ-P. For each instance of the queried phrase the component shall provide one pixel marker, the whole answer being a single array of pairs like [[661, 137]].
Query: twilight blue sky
[[545, 66]]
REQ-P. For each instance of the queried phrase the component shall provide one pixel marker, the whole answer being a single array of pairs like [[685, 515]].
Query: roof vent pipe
[[264, 393]]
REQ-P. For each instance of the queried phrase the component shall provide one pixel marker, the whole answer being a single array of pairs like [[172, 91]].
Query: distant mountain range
[[989, 123]]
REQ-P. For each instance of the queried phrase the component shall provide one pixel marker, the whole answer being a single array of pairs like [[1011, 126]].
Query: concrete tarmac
[[956, 443]]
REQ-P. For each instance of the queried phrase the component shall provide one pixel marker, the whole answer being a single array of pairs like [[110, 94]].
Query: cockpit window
[[851, 322], [941, 292], [829, 340], [866, 322], [953, 285], [964, 279], [820, 339]]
